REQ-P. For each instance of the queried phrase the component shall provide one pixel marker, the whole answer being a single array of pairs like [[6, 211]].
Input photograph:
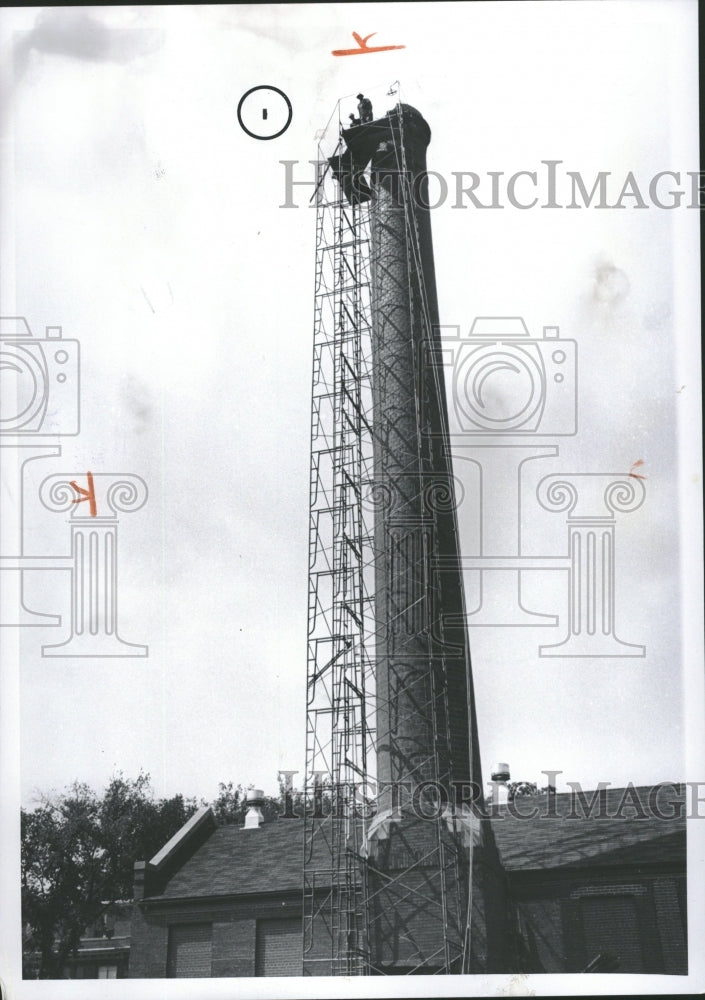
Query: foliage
[[230, 806], [78, 853], [79, 850], [517, 789]]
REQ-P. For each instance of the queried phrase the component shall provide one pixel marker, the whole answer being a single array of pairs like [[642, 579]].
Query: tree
[[79, 850], [230, 806], [78, 853], [518, 789]]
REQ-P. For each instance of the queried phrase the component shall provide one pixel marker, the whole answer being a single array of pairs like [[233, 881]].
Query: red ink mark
[[364, 48], [88, 494], [635, 475]]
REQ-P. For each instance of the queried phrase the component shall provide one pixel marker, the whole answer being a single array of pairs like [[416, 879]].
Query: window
[[107, 972], [611, 924], [190, 950], [617, 920], [278, 950]]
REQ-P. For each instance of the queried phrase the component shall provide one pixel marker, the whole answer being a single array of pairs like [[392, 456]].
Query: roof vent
[[500, 790], [500, 772], [253, 817]]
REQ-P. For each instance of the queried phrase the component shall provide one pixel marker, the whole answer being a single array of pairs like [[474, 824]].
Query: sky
[[140, 217]]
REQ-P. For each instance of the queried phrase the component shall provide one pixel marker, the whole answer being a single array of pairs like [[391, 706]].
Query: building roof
[[238, 861], [234, 861], [578, 838]]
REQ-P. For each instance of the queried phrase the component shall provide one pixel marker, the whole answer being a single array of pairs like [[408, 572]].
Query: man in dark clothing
[[353, 121], [364, 108]]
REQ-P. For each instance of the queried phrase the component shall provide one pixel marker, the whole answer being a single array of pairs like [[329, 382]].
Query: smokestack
[[425, 715], [432, 865], [426, 727]]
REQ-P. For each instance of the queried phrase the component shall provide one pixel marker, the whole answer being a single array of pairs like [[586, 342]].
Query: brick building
[[612, 883], [604, 881], [104, 952]]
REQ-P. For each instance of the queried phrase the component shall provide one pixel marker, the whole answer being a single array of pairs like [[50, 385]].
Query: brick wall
[[551, 926], [148, 949], [234, 947], [234, 931], [671, 926], [565, 918]]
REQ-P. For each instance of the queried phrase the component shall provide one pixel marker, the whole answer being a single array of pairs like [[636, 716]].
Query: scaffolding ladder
[[338, 736]]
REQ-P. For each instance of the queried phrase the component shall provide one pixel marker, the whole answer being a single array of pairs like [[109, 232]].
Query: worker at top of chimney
[[364, 108]]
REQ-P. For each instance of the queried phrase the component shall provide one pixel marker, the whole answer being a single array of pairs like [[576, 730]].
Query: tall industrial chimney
[[425, 715], [417, 888], [437, 892]]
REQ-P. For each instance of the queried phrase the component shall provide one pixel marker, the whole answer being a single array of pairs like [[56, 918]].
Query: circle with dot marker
[[264, 112]]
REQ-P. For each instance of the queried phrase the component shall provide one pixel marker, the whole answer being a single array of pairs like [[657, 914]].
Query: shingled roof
[[233, 861], [578, 838], [238, 861]]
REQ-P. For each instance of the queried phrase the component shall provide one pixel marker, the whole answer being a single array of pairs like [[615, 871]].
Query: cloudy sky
[[141, 218]]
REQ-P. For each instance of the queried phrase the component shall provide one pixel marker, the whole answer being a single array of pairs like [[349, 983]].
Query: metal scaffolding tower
[[340, 627]]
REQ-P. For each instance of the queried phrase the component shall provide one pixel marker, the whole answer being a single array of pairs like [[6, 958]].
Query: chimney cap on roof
[[501, 772], [253, 817]]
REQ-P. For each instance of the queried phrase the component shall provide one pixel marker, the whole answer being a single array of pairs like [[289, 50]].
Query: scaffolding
[[348, 889], [340, 630]]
